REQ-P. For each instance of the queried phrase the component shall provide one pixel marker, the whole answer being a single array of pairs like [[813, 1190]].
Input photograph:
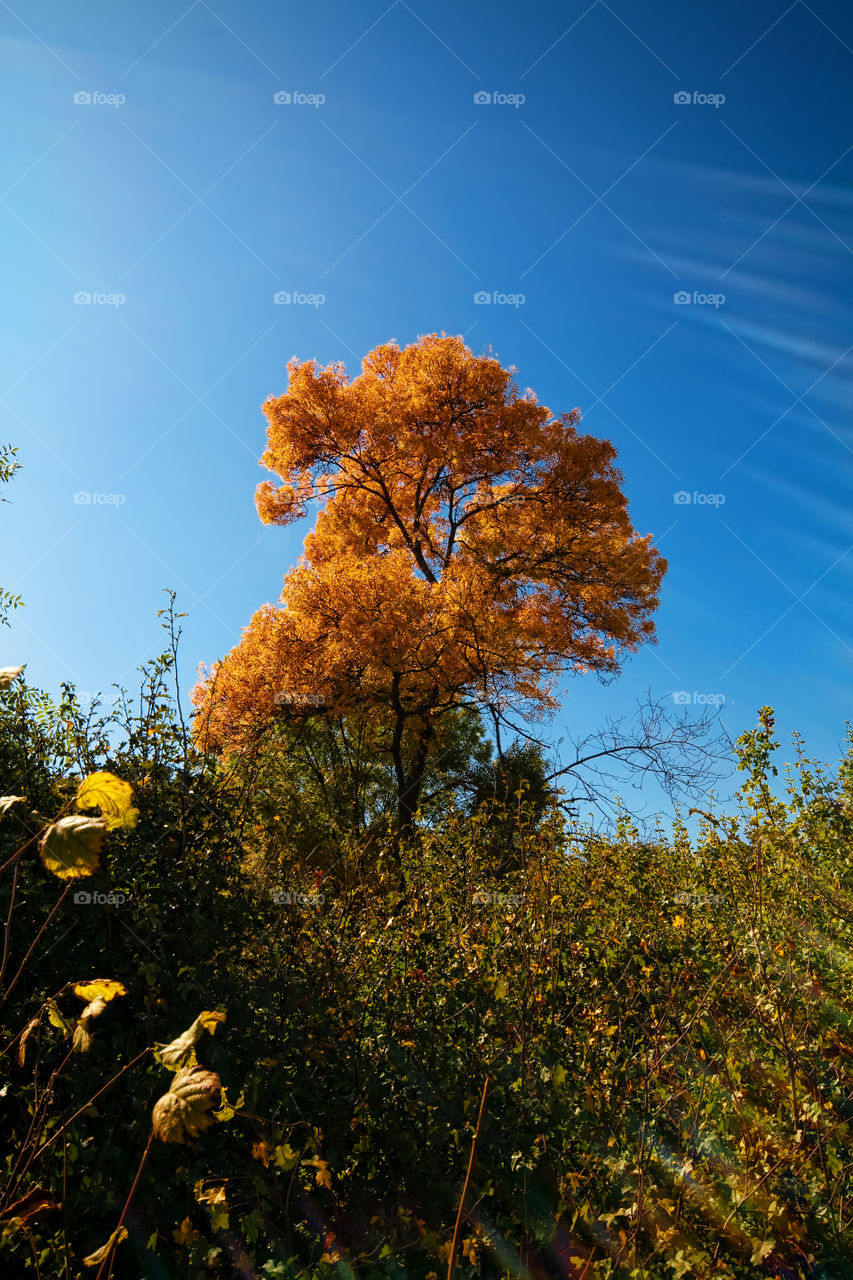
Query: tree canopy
[[470, 548]]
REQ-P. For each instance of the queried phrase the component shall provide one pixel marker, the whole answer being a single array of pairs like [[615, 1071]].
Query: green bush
[[664, 1026]]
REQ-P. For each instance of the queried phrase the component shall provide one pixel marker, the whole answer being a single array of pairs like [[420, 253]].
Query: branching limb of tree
[[684, 754]]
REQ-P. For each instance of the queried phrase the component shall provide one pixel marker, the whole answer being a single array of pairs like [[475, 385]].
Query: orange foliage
[[469, 547]]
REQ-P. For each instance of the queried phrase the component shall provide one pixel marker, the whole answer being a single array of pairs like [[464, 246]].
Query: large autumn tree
[[470, 549]]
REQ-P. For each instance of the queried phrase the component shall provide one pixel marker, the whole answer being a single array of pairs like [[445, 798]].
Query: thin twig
[[35, 942], [451, 1266], [111, 1255]]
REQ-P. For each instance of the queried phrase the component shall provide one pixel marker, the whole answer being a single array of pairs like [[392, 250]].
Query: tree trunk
[[409, 786]]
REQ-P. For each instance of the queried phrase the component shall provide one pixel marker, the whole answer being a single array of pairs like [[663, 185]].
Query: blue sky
[[183, 197]]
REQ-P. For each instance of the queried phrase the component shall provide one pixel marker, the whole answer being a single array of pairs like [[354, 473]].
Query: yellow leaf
[[7, 675], [211, 1195], [322, 1177], [679, 922], [227, 1111], [107, 988], [111, 795], [284, 1157], [6, 802], [56, 1018], [180, 1052], [261, 1151], [210, 1019], [95, 1259], [185, 1233], [71, 847]]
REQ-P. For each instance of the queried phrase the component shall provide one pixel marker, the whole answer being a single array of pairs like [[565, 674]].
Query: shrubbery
[[664, 1025]]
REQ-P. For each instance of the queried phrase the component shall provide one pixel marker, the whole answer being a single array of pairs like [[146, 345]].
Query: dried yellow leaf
[[108, 988], [95, 1259], [210, 1019], [71, 847], [112, 795], [25, 1035], [184, 1111], [82, 1041], [29, 1207], [261, 1151], [180, 1052], [185, 1233]]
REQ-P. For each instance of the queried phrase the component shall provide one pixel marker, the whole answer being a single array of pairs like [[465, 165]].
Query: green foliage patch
[[664, 1026]]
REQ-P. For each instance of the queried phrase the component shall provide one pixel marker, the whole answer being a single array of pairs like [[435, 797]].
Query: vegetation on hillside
[[662, 1027]]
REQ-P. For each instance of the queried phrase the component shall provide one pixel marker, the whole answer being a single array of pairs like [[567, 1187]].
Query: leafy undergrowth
[[664, 1027]]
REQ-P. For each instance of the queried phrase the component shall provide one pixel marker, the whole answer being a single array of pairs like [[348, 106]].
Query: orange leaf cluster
[[469, 546]]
